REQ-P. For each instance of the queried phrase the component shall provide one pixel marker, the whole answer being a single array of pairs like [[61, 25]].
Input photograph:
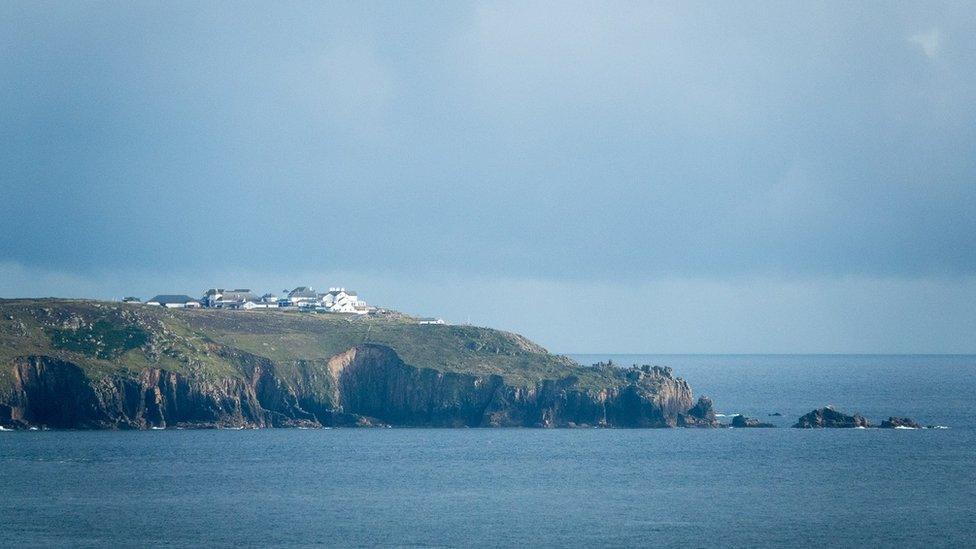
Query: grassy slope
[[104, 337]]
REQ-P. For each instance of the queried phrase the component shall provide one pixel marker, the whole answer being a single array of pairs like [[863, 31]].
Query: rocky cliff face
[[53, 393], [366, 385]]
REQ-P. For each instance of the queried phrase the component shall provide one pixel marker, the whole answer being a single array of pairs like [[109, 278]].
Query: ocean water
[[932, 389], [534, 488]]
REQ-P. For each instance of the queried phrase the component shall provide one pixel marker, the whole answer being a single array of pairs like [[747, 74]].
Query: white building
[[249, 305], [430, 320], [229, 299], [340, 300]]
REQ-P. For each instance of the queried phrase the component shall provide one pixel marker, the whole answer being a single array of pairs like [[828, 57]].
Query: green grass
[[104, 337], [284, 337]]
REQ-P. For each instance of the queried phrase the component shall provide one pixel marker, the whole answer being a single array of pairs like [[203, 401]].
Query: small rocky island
[[828, 418], [79, 364], [740, 422]]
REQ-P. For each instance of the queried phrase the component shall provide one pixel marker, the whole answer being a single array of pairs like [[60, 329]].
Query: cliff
[[84, 364]]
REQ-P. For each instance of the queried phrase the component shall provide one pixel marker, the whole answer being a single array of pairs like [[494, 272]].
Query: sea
[[684, 488]]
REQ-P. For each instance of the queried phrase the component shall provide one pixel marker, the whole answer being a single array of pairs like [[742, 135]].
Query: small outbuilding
[[174, 301]]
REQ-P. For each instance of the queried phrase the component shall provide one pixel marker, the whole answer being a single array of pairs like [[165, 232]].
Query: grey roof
[[238, 295], [337, 292], [302, 291], [178, 298]]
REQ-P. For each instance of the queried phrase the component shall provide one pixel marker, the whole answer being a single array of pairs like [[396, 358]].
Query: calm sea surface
[[525, 487]]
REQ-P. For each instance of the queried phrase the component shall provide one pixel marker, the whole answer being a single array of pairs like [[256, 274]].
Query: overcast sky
[[633, 177]]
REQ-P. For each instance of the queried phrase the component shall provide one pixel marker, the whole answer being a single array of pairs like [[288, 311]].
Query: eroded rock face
[[740, 421], [830, 418], [372, 381], [53, 393], [900, 423], [702, 414], [366, 385]]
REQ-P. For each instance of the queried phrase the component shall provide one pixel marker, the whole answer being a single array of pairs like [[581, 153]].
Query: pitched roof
[[238, 295], [177, 298], [302, 291], [337, 292]]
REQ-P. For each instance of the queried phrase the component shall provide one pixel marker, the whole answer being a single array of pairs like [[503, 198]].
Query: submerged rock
[[741, 421], [900, 423], [830, 419]]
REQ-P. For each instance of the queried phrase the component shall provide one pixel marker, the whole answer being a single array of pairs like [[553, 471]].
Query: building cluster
[[336, 300]]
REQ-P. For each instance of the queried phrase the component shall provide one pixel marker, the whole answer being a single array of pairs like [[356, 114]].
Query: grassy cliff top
[[107, 337]]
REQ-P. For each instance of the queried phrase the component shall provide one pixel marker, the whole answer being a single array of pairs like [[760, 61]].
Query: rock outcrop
[[830, 418], [702, 414], [366, 385], [899, 423], [740, 421]]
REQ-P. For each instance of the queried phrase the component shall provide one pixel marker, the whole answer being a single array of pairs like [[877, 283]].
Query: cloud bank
[[650, 150]]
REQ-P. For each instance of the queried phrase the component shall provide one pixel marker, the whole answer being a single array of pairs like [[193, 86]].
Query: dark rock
[[702, 414], [775, 414], [830, 418], [902, 422], [368, 385], [741, 421]]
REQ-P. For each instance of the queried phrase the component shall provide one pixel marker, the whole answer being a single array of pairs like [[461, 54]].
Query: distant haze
[[602, 177]]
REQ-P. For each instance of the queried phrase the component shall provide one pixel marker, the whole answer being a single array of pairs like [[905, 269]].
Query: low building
[[229, 299], [430, 320], [176, 301], [302, 294], [131, 300]]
